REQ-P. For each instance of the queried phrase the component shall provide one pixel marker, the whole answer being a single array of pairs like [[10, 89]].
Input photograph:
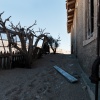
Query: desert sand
[[42, 81]]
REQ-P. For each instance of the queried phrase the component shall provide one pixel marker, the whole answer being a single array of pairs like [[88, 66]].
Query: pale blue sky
[[50, 14]]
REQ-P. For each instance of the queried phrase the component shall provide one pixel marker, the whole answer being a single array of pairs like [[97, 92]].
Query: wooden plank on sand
[[69, 77]]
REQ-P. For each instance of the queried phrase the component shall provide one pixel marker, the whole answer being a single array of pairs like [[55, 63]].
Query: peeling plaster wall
[[84, 49]]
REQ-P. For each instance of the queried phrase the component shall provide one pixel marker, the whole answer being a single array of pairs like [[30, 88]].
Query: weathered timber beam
[[71, 2], [70, 10], [70, 16], [70, 24], [71, 6], [69, 77], [71, 20], [71, 13]]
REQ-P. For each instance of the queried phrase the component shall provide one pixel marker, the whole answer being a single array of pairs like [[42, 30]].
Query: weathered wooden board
[[69, 77]]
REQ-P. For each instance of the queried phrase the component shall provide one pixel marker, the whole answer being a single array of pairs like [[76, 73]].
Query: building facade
[[82, 22]]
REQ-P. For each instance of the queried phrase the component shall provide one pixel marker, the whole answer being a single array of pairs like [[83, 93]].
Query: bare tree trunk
[[23, 43], [30, 48], [53, 49]]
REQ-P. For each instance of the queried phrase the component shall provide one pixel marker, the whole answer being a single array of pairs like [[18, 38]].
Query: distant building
[[6, 48], [62, 51], [82, 22]]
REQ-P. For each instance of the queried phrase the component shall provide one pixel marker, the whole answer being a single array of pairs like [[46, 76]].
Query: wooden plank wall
[[7, 61]]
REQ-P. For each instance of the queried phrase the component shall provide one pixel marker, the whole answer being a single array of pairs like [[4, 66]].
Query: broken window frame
[[90, 19]]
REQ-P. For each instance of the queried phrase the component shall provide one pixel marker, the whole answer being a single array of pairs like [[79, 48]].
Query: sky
[[49, 14]]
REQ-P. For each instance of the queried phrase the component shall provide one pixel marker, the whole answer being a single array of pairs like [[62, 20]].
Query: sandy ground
[[43, 82]]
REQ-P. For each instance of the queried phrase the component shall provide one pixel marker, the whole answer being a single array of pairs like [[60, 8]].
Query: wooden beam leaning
[[69, 77]]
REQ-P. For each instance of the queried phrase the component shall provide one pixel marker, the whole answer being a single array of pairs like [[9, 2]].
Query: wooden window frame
[[90, 19]]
